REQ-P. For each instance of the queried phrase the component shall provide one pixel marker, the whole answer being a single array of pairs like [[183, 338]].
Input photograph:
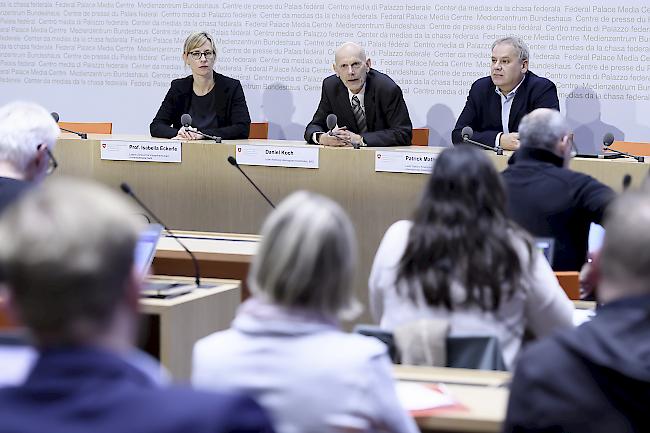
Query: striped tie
[[359, 115]]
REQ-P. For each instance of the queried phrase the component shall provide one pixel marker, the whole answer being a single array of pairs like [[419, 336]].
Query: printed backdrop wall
[[114, 60]]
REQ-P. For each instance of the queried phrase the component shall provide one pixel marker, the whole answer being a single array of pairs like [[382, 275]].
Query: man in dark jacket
[[67, 248], [548, 199], [596, 378], [368, 105], [496, 104]]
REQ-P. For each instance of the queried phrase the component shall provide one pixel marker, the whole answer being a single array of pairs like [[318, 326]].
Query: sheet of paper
[[418, 396]]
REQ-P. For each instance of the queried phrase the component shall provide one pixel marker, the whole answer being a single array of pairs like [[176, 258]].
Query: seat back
[[420, 137], [481, 352], [88, 127], [477, 352], [259, 131]]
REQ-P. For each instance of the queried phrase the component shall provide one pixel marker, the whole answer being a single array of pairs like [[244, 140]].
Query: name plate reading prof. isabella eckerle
[[277, 156], [142, 151], [404, 162]]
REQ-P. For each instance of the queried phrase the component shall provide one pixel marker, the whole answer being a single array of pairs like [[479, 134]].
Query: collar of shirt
[[360, 95], [511, 94]]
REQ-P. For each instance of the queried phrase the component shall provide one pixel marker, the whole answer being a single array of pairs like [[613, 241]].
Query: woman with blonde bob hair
[[285, 347], [216, 103]]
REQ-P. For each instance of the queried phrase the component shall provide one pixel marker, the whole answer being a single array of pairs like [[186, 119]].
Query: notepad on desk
[[419, 398]]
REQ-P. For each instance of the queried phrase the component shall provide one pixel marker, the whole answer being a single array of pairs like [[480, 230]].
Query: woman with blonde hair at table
[[216, 103], [286, 348]]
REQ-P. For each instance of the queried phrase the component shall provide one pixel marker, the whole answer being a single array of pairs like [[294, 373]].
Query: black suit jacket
[[387, 117], [483, 107], [555, 202], [232, 112], [593, 379]]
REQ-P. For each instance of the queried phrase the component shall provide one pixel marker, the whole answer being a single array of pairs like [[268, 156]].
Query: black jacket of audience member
[[387, 116], [233, 120], [483, 107], [593, 379], [555, 202], [10, 191]]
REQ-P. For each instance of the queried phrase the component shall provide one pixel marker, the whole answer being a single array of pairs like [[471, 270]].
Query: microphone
[[233, 162], [608, 139], [331, 122], [186, 120], [467, 132], [627, 180], [197, 273], [55, 116]]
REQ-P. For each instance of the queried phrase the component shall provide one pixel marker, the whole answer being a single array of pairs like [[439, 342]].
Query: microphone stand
[[197, 272], [629, 155], [232, 161], [81, 135], [497, 150]]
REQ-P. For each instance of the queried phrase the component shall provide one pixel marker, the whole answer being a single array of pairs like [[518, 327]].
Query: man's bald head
[[351, 65], [350, 49]]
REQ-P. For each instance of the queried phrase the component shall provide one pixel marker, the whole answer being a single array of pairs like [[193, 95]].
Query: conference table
[[205, 193], [481, 397], [172, 325]]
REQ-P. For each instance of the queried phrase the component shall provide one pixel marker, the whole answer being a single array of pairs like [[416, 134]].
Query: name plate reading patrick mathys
[[278, 156], [143, 151], [404, 162]]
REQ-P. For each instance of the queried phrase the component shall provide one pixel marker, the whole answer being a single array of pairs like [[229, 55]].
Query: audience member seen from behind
[[462, 260], [496, 104], [547, 198], [67, 249], [27, 135], [286, 347], [596, 379], [215, 102]]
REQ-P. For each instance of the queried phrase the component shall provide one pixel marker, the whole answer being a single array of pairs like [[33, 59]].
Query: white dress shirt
[[506, 105]]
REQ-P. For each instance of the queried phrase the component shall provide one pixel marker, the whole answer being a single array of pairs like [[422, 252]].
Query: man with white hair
[[368, 105], [27, 135], [548, 199], [496, 104]]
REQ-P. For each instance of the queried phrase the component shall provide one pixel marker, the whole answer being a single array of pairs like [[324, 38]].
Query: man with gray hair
[[27, 133], [68, 252], [547, 198], [596, 378], [496, 104], [369, 107]]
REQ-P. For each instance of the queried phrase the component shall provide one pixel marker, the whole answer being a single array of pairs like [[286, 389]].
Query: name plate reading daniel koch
[[404, 162], [144, 151], [277, 156]]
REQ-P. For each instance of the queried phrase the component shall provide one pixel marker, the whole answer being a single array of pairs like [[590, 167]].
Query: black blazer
[[387, 117], [592, 379], [483, 107], [551, 201], [232, 112]]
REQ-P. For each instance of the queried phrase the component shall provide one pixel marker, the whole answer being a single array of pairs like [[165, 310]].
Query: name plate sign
[[277, 156], [404, 162], [143, 151]]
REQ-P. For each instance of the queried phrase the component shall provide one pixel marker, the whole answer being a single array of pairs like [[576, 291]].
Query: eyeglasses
[[196, 55], [51, 162]]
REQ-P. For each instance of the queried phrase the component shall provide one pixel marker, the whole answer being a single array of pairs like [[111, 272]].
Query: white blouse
[[540, 306]]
